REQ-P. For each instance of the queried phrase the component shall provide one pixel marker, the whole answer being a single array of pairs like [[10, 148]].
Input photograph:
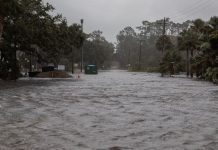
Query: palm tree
[[188, 40], [162, 44], [205, 62]]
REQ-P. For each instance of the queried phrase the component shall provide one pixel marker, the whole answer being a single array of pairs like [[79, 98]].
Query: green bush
[[171, 63], [9, 71], [212, 74]]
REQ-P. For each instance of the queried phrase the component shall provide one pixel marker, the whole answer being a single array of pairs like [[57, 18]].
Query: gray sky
[[111, 16]]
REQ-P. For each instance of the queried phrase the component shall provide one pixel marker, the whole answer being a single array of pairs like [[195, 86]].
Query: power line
[[194, 11], [198, 4], [195, 8]]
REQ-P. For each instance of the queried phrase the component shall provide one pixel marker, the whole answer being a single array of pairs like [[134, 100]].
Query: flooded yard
[[114, 110]]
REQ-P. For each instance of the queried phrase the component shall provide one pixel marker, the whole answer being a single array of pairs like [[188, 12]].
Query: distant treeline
[[190, 46]]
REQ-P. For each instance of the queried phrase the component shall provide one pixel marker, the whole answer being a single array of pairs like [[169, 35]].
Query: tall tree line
[[191, 46], [200, 42], [27, 26], [98, 51], [145, 37]]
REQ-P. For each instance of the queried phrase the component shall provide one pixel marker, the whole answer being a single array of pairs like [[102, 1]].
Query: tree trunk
[[187, 62], [190, 63], [163, 49], [30, 62], [1, 26], [72, 61], [128, 56], [140, 53], [1, 32], [14, 69]]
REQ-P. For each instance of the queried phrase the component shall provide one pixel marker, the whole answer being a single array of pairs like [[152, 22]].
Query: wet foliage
[[201, 40], [171, 63], [191, 46], [29, 28], [97, 50], [150, 36]]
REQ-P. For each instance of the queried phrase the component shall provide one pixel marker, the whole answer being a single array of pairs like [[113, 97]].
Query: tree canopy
[[97, 50], [29, 27]]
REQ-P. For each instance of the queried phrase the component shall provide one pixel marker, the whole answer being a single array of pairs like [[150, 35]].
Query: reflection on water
[[114, 110]]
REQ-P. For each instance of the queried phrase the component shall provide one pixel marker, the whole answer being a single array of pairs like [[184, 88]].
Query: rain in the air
[[108, 75]]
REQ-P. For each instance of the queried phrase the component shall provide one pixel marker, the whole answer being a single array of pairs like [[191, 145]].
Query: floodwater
[[115, 110]]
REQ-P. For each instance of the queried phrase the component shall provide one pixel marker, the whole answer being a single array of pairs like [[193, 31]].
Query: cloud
[[111, 16]]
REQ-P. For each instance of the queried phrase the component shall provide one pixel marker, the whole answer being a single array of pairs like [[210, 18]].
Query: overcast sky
[[111, 16]]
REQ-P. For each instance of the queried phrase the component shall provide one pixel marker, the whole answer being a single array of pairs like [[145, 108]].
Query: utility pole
[[164, 33], [81, 67], [163, 48]]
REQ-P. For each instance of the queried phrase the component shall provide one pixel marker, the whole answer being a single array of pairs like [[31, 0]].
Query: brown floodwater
[[114, 110]]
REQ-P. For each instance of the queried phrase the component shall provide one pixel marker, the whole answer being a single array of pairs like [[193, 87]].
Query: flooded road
[[114, 110]]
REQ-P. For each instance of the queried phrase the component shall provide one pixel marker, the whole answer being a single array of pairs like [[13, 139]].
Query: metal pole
[[81, 67]]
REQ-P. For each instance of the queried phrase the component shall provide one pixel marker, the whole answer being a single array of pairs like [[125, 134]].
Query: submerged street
[[114, 110]]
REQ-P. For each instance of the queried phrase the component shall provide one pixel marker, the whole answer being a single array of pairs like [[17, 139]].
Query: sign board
[[61, 67]]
